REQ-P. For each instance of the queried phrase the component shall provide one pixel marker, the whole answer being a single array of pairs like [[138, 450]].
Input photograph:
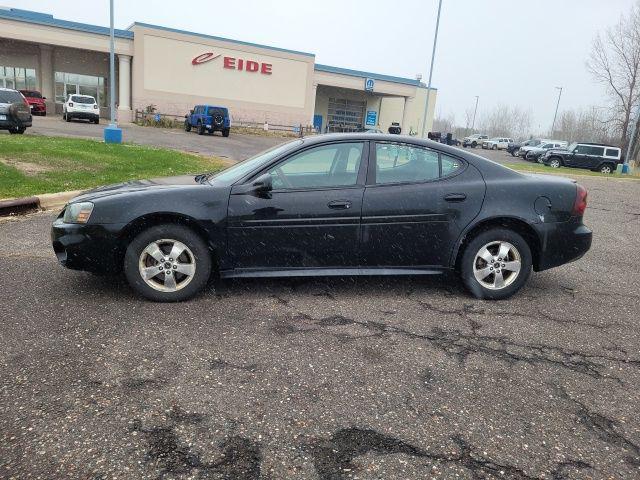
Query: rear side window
[[612, 152], [213, 111], [597, 151], [10, 96], [398, 163]]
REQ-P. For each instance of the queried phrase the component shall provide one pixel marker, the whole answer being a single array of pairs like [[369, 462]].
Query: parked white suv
[[497, 143], [81, 106]]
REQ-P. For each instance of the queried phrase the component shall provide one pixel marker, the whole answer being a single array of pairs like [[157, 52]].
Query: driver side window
[[324, 166]]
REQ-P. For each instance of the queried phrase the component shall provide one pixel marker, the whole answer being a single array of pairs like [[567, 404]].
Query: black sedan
[[347, 204]]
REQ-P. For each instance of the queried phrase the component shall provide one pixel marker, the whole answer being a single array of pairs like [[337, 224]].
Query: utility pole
[[112, 134], [433, 56], [473, 123], [633, 139], [553, 125]]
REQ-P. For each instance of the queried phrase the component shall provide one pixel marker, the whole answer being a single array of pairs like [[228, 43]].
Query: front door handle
[[455, 197], [339, 204]]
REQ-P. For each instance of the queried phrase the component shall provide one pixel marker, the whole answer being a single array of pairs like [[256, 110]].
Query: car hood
[[137, 186]]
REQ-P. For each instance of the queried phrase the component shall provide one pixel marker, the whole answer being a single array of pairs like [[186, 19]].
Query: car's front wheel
[[555, 163], [167, 263], [201, 129], [496, 264], [187, 126]]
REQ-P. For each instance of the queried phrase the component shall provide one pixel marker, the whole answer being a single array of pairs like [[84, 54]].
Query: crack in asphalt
[[605, 428], [240, 459], [460, 345], [333, 458], [219, 364]]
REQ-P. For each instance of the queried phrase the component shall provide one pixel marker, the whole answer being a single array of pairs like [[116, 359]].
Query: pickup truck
[[474, 140]]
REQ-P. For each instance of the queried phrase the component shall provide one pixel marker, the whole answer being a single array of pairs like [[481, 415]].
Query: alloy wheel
[[497, 265], [167, 265], [605, 169], [555, 163]]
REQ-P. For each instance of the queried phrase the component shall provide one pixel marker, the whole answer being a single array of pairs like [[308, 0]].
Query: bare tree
[[615, 62], [588, 125], [507, 121], [444, 124]]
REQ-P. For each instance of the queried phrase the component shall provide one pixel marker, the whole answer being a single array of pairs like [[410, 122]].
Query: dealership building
[[173, 70]]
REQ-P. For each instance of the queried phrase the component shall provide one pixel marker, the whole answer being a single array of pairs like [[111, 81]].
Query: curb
[[47, 201]]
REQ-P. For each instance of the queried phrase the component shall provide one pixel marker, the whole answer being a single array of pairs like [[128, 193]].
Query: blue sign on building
[[372, 118], [369, 83]]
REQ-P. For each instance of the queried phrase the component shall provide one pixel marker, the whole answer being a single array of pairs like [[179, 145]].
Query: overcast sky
[[506, 51]]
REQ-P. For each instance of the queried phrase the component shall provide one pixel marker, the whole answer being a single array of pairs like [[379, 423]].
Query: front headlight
[[78, 212]]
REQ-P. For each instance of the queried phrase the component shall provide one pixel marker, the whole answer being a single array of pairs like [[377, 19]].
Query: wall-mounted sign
[[372, 118], [369, 83], [234, 63]]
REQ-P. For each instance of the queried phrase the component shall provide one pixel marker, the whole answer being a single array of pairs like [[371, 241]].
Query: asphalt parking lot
[[235, 147], [324, 378]]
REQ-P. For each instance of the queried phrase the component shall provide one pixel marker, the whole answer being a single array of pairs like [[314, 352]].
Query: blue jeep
[[208, 118]]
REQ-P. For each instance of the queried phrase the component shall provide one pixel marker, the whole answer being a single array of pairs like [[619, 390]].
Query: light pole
[[112, 134], [433, 56], [473, 123], [553, 125]]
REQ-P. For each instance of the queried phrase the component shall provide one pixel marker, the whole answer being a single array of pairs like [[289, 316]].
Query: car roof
[[8, 89], [209, 105], [598, 145]]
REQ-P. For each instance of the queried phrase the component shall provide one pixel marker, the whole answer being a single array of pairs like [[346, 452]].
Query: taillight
[[71, 104], [580, 205]]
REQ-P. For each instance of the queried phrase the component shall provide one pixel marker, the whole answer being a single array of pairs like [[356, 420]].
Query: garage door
[[345, 115]]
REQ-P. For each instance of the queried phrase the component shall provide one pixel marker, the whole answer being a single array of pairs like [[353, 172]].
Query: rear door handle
[[455, 197], [339, 204]]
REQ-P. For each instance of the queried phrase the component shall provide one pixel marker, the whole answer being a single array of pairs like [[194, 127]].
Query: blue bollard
[[112, 134], [625, 168]]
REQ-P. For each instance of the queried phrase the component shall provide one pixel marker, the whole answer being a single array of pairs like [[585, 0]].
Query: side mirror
[[191, 112], [263, 184]]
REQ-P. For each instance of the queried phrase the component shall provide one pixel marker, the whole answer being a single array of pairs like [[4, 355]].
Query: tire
[[474, 145], [187, 126], [540, 160], [176, 286], [67, 117], [473, 266], [607, 169], [495, 147], [514, 153], [555, 162], [201, 129], [97, 121], [225, 132]]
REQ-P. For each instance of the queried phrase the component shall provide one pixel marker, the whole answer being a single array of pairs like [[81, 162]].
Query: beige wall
[[174, 85], [31, 32], [393, 108], [19, 54]]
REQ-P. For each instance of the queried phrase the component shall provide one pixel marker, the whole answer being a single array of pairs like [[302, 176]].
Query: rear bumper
[[94, 248], [38, 108], [84, 115], [12, 123], [562, 243]]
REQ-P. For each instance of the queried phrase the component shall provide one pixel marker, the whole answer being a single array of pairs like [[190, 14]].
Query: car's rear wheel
[[555, 163], [167, 263], [474, 144], [496, 264], [514, 153], [201, 129], [540, 159], [18, 130], [225, 132], [187, 126], [495, 147], [606, 168]]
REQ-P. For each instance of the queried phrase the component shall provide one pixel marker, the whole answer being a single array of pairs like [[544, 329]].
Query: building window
[[18, 78], [73, 83]]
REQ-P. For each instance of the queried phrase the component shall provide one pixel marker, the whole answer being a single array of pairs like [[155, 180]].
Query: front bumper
[[38, 108], [562, 243], [94, 248]]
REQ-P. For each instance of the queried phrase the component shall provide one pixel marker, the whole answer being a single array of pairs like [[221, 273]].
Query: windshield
[[84, 100], [236, 172], [10, 96]]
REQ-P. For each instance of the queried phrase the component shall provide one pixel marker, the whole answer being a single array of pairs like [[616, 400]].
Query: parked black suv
[[15, 112], [593, 156]]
